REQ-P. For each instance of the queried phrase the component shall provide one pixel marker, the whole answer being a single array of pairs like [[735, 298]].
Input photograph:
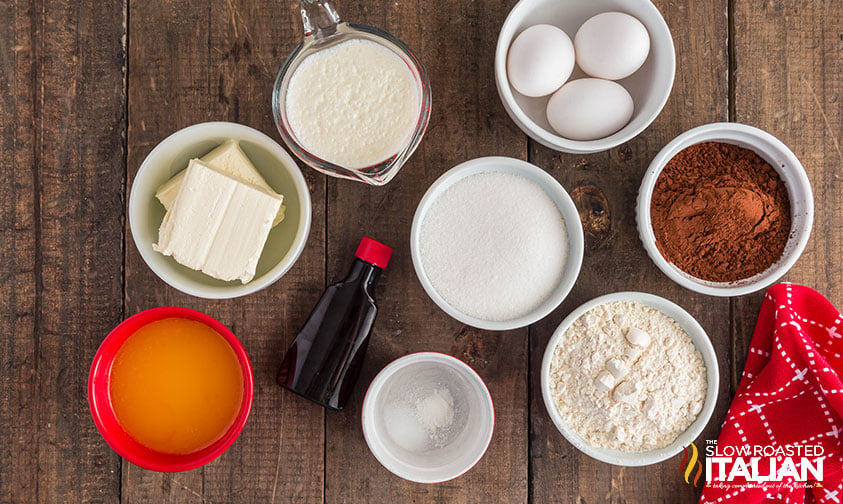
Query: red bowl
[[99, 397]]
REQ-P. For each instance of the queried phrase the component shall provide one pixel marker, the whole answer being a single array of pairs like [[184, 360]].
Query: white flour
[[625, 396], [494, 246]]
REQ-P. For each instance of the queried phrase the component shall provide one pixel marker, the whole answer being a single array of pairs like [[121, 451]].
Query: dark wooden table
[[87, 89]]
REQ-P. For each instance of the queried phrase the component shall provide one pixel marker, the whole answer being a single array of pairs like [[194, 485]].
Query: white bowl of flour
[[497, 243], [630, 378]]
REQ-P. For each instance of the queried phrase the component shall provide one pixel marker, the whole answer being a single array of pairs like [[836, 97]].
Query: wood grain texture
[[789, 81], [191, 62], [79, 156], [606, 187], [18, 245], [279, 457], [168, 88], [70, 134], [455, 41]]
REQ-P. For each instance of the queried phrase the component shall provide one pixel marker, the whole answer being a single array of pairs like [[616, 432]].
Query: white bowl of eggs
[[581, 76]]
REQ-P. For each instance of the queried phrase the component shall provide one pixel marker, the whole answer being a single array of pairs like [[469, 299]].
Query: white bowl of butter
[[266, 169]]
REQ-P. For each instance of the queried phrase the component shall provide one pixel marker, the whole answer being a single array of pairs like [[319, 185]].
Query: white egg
[[611, 45], [588, 109], [540, 60]]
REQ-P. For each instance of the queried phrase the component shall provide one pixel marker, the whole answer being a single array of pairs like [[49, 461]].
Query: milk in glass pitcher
[[351, 100]]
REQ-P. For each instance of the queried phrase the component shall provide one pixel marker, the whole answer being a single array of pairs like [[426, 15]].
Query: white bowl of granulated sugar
[[630, 378], [497, 243]]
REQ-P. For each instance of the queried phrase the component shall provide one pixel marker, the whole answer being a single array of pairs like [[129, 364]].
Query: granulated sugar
[[627, 377], [494, 246]]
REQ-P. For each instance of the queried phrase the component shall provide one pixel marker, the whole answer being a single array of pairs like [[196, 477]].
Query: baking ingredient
[[720, 212], [404, 428], [228, 158], [540, 60], [176, 386], [324, 361], [421, 424], [494, 245], [436, 411], [611, 45], [354, 104], [218, 224], [589, 109], [629, 403]]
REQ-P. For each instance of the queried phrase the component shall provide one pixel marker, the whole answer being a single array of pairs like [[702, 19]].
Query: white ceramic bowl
[[772, 150], [700, 340], [559, 196], [649, 86], [397, 387], [286, 240]]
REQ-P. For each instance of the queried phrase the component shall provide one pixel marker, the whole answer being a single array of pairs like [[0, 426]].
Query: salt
[[421, 424], [436, 413], [404, 428], [494, 246]]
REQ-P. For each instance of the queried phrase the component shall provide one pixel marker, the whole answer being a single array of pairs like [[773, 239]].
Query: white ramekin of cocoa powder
[[725, 209]]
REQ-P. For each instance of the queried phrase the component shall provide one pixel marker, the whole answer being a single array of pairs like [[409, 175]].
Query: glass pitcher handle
[[319, 18]]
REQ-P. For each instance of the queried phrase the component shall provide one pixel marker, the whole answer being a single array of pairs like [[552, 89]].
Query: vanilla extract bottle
[[324, 361]]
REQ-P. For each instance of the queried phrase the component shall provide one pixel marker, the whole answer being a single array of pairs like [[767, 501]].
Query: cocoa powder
[[720, 212]]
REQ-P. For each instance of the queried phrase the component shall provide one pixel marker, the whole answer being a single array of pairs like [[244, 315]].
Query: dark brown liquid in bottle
[[324, 361]]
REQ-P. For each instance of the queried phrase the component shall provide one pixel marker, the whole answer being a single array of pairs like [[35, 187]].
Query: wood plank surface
[[80, 156], [192, 62], [168, 88], [18, 244], [88, 88], [616, 261], [63, 124], [789, 81], [278, 458], [455, 41]]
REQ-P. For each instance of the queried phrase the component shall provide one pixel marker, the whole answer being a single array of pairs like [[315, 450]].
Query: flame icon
[[690, 461]]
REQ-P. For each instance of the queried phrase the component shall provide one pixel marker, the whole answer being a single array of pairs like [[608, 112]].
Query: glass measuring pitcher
[[324, 29]]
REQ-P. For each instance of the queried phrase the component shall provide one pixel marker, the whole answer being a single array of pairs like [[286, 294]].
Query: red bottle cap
[[373, 252]]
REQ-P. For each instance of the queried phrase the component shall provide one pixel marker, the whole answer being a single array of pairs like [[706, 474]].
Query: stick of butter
[[228, 158], [218, 224]]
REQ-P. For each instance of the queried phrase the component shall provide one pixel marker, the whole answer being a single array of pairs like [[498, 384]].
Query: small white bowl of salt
[[428, 417]]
